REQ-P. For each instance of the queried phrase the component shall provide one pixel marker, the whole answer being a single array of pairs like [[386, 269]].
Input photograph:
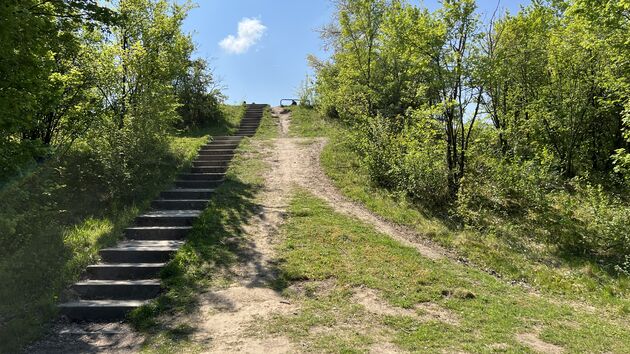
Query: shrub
[[409, 159]]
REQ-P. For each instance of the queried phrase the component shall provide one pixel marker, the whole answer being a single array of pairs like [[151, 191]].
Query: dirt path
[[300, 159], [226, 315]]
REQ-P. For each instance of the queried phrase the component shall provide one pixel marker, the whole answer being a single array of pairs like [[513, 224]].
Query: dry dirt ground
[[224, 320]]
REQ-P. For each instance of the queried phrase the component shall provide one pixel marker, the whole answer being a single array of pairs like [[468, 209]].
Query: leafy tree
[[136, 68], [199, 94], [42, 82], [456, 87]]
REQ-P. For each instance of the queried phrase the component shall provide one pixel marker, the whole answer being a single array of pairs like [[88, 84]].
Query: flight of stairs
[[128, 276]]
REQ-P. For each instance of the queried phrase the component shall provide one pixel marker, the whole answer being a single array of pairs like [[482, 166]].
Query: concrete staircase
[[128, 276]]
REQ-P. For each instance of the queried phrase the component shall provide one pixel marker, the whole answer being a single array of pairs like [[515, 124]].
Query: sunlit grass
[[532, 262], [328, 258]]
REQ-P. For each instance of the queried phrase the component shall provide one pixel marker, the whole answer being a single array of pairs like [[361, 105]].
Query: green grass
[[268, 128], [534, 263], [327, 257], [305, 124], [225, 124], [54, 221]]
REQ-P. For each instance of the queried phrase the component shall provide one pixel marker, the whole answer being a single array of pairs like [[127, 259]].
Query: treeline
[[514, 124], [109, 79]]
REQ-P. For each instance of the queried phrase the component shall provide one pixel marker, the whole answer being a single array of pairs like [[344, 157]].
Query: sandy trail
[[301, 162]]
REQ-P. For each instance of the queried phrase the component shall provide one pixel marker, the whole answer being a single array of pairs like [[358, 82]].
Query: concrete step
[[168, 218], [141, 289], [99, 310], [207, 164], [216, 151], [201, 176], [179, 204], [157, 232], [230, 138], [140, 251], [209, 169], [124, 271], [188, 193], [197, 184], [215, 157], [214, 146]]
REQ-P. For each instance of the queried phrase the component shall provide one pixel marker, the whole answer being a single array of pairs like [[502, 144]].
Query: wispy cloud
[[250, 30]]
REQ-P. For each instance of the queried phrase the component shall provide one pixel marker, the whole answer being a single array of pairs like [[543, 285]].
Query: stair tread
[[119, 282], [104, 303], [191, 190], [203, 174], [180, 200], [126, 265], [171, 213], [146, 245], [162, 227], [198, 181]]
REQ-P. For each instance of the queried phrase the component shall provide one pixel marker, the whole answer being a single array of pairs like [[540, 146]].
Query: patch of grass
[[337, 256], [54, 221], [268, 128], [213, 246], [306, 124], [534, 263], [225, 124]]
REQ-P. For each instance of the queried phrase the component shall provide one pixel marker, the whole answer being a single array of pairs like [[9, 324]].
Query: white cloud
[[250, 30]]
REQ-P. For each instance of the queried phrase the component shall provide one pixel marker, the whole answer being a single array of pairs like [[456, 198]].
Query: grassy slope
[[535, 265], [214, 244], [59, 223], [588, 285], [331, 256]]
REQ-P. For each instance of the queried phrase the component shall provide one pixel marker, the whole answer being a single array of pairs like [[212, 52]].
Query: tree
[[42, 81], [199, 94], [136, 67], [455, 89]]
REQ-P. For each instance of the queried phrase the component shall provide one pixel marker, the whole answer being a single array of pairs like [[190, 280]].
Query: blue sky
[[268, 61]]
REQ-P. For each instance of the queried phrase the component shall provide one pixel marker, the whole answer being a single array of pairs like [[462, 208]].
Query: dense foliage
[[116, 76], [516, 125]]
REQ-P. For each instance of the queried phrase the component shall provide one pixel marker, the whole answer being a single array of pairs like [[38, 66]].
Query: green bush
[[527, 200], [408, 160]]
